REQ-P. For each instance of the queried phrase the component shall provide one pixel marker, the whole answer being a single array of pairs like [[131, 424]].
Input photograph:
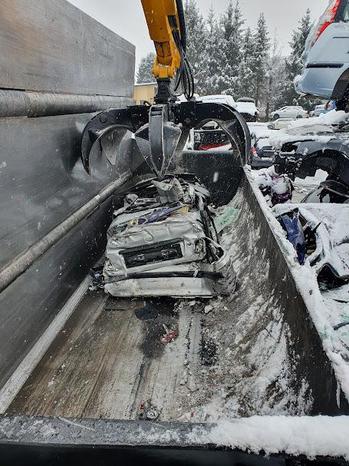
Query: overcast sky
[[126, 17]]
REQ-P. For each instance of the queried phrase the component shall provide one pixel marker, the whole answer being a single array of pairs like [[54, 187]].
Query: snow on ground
[[304, 186], [324, 308], [317, 436]]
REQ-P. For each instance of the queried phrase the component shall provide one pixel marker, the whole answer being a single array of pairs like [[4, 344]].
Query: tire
[[299, 117], [276, 116]]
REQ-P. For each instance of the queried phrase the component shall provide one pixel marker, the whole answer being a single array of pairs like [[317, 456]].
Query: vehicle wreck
[[325, 238], [164, 242]]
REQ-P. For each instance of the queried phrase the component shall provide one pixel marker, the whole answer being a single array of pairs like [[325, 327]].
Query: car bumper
[[318, 81]]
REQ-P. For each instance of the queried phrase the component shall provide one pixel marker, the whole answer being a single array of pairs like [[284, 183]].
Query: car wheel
[[276, 116], [299, 116]]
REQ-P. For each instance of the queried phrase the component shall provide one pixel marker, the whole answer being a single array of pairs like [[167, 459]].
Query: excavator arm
[[161, 130], [164, 25]]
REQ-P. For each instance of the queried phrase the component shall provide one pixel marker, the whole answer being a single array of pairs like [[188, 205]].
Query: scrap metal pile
[[163, 242]]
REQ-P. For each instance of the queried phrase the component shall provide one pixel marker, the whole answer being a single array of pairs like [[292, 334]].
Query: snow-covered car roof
[[222, 98], [260, 130], [320, 129], [246, 107]]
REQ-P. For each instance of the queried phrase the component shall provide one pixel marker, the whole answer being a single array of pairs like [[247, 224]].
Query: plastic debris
[[227, 218], [169, 335], [294, 230]]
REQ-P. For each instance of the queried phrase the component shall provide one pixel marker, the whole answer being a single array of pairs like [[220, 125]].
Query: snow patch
[[318, 436]]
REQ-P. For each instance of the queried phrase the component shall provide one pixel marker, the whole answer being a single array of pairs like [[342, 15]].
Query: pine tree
[[144, 73], [232, 30], [212, 64], [276, 79], [246, 84], [196, 42], [294, 63], [260, 59]]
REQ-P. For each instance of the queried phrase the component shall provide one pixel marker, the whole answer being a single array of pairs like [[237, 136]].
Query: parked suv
[[219, 98], [326, 71], [289, 112], [247, 107]]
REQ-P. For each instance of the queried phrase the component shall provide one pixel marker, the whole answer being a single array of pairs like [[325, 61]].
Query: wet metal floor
[[110, 360]]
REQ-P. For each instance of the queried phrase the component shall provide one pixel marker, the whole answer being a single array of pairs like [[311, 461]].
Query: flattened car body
[[169, 248]]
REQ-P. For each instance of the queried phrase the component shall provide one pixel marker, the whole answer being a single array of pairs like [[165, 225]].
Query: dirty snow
[[246, 367], [317, 302]]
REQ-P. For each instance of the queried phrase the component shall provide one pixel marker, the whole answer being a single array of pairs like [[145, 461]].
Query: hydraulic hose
[[182, 26]]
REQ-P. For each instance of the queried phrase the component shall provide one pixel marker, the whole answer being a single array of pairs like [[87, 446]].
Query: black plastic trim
[[324, 65]]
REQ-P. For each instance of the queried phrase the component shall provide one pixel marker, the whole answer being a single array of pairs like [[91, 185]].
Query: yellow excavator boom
[[163, 21]]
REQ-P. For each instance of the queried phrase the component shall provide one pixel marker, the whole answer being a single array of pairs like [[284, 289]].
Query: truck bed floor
[[109, 360]]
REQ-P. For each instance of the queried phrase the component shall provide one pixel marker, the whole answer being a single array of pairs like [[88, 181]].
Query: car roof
[[246, 99], [216, 96]]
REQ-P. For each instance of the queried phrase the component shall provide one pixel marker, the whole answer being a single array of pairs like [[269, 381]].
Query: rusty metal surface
[[50, 45]]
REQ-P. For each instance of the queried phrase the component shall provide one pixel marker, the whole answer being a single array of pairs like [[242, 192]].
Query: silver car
[[290, 111], [326, 72]]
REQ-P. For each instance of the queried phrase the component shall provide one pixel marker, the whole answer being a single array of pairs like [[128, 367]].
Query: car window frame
[[342, 11]]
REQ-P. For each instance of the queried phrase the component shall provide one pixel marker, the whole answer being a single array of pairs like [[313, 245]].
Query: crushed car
[[325, 147], [319, 232], [163, 241]]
